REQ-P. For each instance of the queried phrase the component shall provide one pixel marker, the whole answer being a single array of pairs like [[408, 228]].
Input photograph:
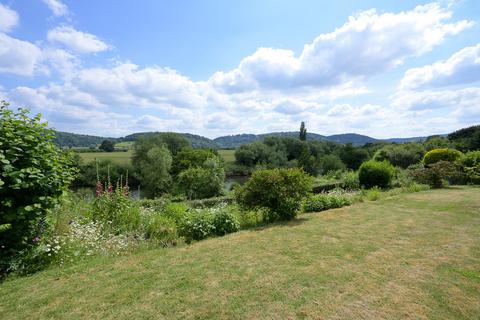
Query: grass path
[[414, 256]]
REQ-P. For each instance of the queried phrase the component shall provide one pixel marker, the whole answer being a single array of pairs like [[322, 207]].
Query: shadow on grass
[[288, 224]]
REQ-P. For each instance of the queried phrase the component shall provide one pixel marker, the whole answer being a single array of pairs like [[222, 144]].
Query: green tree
[[33, 176], [107, 146], [152, 162], [303, 132], [353, 157]]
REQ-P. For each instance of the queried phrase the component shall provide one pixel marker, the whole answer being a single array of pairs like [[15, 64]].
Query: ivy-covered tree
[[33, 176]]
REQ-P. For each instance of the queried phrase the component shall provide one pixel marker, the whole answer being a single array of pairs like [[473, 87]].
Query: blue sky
[[385, 69]]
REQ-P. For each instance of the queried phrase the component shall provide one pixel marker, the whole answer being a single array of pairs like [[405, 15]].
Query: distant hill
[[72, 140], [66, 139]]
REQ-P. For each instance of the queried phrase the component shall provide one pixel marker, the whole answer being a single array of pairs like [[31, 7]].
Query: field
[[124, 157], [411, 256], [118, 157], [227, 155]]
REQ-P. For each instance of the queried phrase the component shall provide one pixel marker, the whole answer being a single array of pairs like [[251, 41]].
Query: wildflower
[[98, 189]]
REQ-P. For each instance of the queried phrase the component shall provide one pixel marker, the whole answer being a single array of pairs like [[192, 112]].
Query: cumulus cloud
[[369, 43], [17, 56], [463, 67], [8, 18], [57, 7], [77, 41]]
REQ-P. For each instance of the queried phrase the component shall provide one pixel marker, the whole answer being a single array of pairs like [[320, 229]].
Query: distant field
[[123, 145], [118, 157], [124, 157], [412, 256], [227, 155]]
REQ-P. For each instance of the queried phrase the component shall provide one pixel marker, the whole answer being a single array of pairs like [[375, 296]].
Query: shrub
[[373, 194], [197, 225], [279, 190], [159, 228], [33, 176], [176, 211], [436, 155], [325, 201], [251, 218], [350, 180], [470, 163], [225, 221], [436, 174], [376, 173]]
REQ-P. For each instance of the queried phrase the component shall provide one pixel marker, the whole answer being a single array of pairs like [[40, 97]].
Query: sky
[[111, 68]]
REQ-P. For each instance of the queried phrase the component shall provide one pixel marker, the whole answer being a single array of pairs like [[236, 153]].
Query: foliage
[[107, 146], [197, 225], [152, 162], [353, 157], [202, 182], [211, 202], [225, 221], [375, 173], [279, 190], [331, 162], [87, 172], [33, 176], [325, 201], [159, 227], [437, 142], [373, 194], [71, 140], [401, 155], [350, 180], [466, 139], [436, 174], [191, 158], [436, 155], [470, 163]]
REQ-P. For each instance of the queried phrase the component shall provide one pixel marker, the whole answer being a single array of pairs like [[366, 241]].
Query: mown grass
[[117, 157], [410, 256]]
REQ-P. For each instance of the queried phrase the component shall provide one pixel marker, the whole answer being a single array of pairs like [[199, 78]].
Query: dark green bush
[[279, 190], [33, 176], [225, 221], [437, 155], [437, 175], [376, 173]]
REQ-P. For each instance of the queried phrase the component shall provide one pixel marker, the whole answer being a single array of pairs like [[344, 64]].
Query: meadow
[[409, 256], [125, 157]]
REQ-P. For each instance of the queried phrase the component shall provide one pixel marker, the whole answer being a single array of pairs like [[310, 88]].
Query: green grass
[[118, 157], [410, 256], [227, 155], [124, 144], [125, 157]]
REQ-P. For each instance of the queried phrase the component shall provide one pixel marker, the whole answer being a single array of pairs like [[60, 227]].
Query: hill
[[411, 256], [65, 139]]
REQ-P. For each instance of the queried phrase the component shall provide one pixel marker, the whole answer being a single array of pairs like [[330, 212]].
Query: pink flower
[[98, 189]]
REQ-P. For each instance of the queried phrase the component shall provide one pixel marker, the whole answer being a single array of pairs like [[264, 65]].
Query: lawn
[[118, 157], [411, 256]]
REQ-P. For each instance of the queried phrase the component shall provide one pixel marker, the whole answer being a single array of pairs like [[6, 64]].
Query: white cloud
[[17, 56], [368, 44], [75, 40], [463, 67], [57, 7], [8, 18]]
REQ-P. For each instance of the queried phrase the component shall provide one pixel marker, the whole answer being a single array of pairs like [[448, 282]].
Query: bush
[[470, 163], [437, 175], [33, 176], [350, 181], [279, 190], [197, 225], [373, 194], [176, 211], [436, 155], [225, 221], [401, 155], [159, 228], [325, 201], [376, 173]]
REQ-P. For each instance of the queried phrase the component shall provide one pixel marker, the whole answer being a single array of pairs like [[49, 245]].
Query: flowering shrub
[[197, 225], [225, 221], [325, 201]]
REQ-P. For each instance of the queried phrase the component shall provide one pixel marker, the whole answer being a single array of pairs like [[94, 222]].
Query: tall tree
[[107, 146], [303, 132]]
